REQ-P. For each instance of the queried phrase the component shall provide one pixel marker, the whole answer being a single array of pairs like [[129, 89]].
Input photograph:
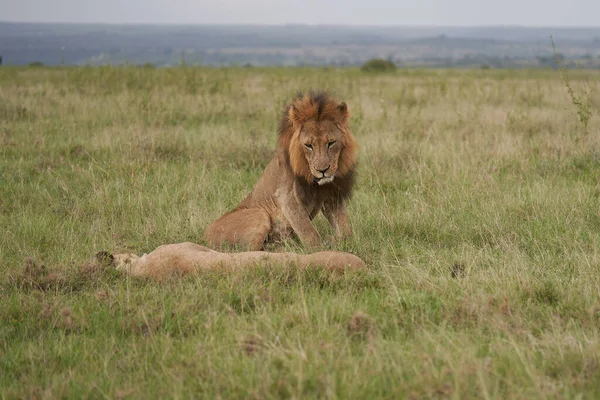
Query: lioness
[[313, 170], [189, 258]]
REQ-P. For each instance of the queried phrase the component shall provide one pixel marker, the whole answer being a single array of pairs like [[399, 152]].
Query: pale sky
[[574, 13]]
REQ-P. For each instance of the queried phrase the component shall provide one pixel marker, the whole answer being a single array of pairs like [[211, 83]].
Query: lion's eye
[[308, 146], [330, 144]]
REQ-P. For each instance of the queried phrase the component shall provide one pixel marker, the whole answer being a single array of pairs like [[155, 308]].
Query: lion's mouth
[[325, 179]]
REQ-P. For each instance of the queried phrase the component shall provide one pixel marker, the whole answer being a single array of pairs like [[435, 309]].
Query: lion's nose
[[323, 170]]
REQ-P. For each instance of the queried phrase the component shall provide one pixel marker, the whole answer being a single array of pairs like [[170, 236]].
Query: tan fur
[[312, 170], [190, 258]]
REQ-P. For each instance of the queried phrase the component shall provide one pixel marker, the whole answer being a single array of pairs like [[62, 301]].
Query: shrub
[[378, 65], [582, 101]]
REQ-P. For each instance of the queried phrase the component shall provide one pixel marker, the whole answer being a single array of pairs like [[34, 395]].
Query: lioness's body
[[312, 171], [189, 258]]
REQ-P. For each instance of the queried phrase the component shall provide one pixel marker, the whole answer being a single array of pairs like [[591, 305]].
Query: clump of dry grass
[[362, 326]]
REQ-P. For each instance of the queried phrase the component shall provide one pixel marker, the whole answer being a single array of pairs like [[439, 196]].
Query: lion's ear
[[343, 109]]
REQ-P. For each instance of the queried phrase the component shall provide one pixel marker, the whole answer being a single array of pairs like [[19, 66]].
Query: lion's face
[[122, 262], [321, 145]]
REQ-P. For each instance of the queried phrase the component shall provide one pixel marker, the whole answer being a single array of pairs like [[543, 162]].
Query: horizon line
[[284, 24]]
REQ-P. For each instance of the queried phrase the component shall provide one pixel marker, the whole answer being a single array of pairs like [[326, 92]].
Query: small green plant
[[378, 65], [36, 64], [583, 101]]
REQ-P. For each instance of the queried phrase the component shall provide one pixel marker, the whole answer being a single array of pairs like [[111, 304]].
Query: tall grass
[[475, 208]]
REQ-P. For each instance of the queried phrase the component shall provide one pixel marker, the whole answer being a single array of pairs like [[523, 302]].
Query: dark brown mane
[[340, 189]]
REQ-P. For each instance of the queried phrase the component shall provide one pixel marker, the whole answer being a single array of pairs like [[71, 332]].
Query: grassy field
[[477, 209]]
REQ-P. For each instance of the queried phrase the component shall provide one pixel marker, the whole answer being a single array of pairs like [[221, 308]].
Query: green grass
[[477, 209]]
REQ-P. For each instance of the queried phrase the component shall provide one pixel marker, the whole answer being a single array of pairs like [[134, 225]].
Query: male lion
[[189, 258], [313, 170]]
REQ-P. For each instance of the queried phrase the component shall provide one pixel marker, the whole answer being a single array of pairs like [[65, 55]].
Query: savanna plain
[[477, 210]]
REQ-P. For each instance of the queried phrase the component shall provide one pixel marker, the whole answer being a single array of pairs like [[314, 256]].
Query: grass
[[477, 209]]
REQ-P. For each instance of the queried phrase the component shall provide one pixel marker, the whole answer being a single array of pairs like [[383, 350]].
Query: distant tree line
[[470, 60]]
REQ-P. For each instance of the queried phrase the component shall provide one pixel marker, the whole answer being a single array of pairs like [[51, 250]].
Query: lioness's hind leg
[[247, 228]]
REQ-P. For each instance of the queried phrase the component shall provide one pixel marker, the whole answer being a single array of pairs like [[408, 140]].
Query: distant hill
[[164, 45]]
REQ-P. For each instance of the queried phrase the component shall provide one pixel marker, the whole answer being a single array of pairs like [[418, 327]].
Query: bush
[[36, 64], [378, 65]]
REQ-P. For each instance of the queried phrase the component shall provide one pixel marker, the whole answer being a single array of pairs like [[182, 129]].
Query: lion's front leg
[[336, 214], [299, 219]]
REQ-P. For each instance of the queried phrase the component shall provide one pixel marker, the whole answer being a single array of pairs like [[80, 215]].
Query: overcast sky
[[356, 12]]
